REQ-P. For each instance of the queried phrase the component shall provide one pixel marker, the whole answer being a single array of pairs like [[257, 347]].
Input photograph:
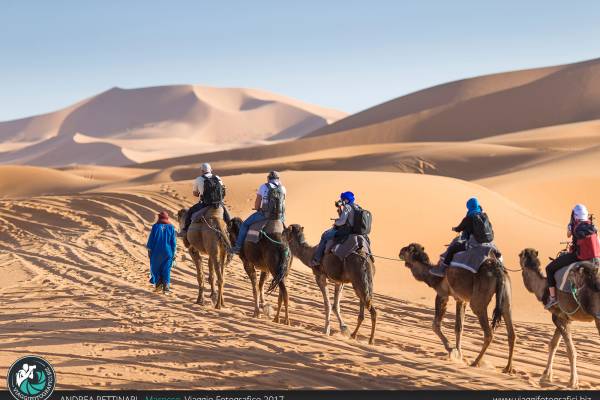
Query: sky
[[348, 55]]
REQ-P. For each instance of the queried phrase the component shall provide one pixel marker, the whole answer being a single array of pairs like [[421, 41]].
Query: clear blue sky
[[344, 54]]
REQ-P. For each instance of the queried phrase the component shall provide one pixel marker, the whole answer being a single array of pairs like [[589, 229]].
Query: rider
[[584, 247], [198, 190], [341, 227], [261, 202], [467, 228]]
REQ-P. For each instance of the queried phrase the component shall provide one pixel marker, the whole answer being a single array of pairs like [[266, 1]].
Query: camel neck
[[535, 282], [420, 271], [305, 252]]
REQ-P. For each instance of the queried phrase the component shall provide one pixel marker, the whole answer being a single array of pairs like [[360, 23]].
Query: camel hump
[[209, 212]]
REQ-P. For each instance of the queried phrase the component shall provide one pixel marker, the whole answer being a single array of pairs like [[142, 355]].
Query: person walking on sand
[[162, 245]]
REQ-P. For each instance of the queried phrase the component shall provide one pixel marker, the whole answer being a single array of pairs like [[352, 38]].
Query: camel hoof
[[345, 331], [256, 314], [200, 300], [574, 384], [267, 310], [455, 355], [547, 378], [372, 341], [353, 336], [509, 370], [476, 364], [276, 320]]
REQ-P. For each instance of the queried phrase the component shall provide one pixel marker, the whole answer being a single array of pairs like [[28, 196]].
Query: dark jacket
[[465, 226]]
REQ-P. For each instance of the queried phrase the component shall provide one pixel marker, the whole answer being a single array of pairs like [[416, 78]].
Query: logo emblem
[[31, 378]]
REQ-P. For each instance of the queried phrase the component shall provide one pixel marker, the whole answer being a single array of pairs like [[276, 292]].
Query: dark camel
[[357, 269], [209, 237], [466, 287], [270, 255], [584, 306]]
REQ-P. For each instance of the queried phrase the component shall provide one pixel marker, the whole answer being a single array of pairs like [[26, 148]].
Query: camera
[[339, 203]]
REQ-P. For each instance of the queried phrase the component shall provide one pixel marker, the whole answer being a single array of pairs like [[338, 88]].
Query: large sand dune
[[124, 126]]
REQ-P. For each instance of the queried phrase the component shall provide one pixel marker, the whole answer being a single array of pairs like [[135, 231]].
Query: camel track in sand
[[81, 298]]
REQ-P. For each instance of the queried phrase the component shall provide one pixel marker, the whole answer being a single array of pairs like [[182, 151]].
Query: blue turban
[[348, 196], [473, 206]]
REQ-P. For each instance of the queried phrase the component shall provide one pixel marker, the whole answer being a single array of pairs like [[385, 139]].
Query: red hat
[[163, 217]]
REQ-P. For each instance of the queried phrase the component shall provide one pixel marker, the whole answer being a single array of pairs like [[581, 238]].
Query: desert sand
[[76, 270]]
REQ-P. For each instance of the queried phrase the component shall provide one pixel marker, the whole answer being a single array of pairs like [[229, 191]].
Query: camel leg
[[211, 279], [598, 325], [548, 374], [222, 257], [459, 322], [339, 289], [488, 335], [217, 270], [252, 275], [373, 312], [512, 338], [361, 318], [261, 291], [283, 298], [197, 258], [322, 283], [571, 353], [440, 309]]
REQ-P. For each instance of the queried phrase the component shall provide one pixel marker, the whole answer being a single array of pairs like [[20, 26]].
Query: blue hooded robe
[[161, 245]]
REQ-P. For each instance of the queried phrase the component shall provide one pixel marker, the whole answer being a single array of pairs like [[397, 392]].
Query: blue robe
[[161, 246]]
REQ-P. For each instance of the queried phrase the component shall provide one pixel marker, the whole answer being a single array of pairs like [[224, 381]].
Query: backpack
[[274, 207], [586, 239], [482, 228], [214, 191], [362, 221]]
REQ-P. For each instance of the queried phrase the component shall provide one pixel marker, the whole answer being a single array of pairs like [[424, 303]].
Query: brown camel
[[467, 287], [209, 237], [583, 305], [357, 269], [270, 255]]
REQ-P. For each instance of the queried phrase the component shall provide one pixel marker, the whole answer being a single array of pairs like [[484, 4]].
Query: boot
[[158, 287]]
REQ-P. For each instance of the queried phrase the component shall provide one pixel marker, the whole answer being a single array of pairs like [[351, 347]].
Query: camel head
[[412, 253], [294, 234], [234, 228], [529, 260], [181, 216]]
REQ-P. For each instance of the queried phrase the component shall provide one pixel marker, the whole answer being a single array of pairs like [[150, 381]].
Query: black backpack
[[362, 221], [214, 191], [482, 228], [274, 207]]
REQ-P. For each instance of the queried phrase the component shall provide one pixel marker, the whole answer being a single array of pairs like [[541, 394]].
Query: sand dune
[[84, 259], [124, 126]]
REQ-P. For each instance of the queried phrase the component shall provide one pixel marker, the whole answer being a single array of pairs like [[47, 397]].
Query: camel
[[584, 306], [357, 269], [270, 255], [467, 287], [209, 237]]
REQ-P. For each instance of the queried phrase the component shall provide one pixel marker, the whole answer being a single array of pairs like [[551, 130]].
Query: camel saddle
[[475, 255], [268, 226], [349, 245], [563, 283], [207, 213]]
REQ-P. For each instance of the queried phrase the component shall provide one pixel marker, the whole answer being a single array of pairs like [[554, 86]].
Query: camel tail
[[500, 294], [282, 268]]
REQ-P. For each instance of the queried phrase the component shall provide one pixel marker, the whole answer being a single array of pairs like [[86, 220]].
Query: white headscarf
[[580, 212]]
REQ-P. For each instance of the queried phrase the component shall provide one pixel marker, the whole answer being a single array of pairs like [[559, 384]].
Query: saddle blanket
[[475, 255], [208, 212], [269, 226], [563, 283], [349, 246]]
